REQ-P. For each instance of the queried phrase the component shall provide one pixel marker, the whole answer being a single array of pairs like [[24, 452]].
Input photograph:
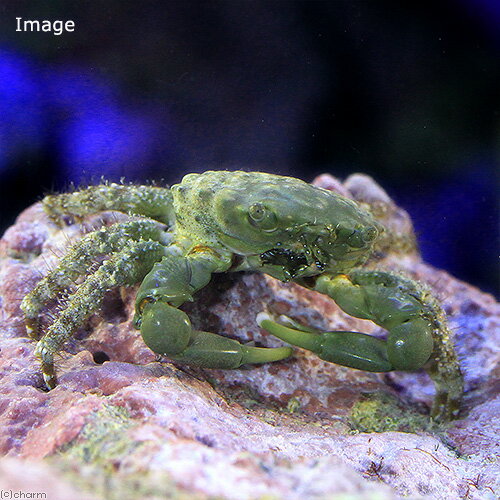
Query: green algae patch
[[92, 463], [380, 412], [104, 437], [137, 485]]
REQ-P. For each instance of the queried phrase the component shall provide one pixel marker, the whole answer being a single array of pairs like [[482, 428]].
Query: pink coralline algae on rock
[[122, 424]]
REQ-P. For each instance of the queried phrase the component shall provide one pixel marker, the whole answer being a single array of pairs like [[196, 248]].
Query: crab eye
[[262, 217], [355, 240], [370, 234], [257, 212]]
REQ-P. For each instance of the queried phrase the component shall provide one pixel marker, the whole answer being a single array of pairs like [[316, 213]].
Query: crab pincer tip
[[261, 317]]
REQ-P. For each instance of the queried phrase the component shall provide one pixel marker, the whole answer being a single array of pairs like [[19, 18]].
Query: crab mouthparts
[[290, 260]]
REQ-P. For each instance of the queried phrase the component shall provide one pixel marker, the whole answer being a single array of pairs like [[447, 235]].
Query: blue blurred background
[[407, 92]]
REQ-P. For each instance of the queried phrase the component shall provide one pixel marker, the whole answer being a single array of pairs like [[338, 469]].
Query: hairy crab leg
[[167, 330], [151, 201], [76, 262], [124, 268], [418, 335]]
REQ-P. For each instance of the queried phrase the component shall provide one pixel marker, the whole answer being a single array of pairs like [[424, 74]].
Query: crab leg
[[417, 331], [353, 349], [124, 268], [77, 261], [151, 201], [167, 330]]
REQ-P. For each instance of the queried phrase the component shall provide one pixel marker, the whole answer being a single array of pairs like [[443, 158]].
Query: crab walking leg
[[124, 268], [167, 330], [417, 332], [151, 201], [76, 262]]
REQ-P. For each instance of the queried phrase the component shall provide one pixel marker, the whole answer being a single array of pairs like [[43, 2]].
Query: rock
[[35, 480], [122, 424]]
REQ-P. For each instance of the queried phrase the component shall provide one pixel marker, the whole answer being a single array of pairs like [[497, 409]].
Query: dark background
[[152, 90]]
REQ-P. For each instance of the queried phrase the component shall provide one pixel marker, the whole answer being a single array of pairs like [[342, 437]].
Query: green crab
[[222, 221]]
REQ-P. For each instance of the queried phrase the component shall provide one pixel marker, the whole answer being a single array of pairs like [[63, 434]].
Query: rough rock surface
[[121, 424]]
